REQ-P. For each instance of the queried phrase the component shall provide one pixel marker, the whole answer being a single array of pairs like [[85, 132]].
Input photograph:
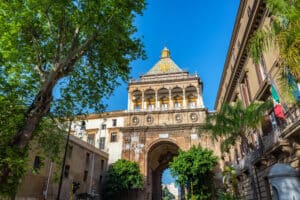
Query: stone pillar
[[129, 102], [200, 103], [156, 101], [143, 101], [170, 100], [184, 102]]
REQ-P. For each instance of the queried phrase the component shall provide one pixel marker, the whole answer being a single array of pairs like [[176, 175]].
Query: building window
[[113, 137], [150, 107], [269, 124], [114, 122], [91, 139], [67, 170], [70, 150], [102, 143], [85, 175], [137, 108], [87, 158], [83, 125], [37, 163], [103, 126], [245, 91], [192, 104], [260, 71], [164, 106], [100, 179], [177, 105], [102, 165]]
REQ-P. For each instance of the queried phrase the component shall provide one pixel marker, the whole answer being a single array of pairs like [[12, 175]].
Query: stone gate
[[165, 107]]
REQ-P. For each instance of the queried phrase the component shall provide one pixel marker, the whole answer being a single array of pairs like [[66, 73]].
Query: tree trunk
[[39, 108]]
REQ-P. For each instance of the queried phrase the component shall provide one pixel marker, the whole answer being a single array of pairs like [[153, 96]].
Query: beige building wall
[[84, 164], [102, 131], [274, 142]]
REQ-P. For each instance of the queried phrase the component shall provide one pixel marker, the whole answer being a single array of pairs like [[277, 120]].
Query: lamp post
[[64, 162]]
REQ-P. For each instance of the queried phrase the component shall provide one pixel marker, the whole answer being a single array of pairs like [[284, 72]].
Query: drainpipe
[[92, 173], [48, 180]]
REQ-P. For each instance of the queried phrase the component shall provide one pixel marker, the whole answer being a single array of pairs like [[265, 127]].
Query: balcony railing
[[257, 153], [292, 116], [164, 109], [271, 139], [243, 164]]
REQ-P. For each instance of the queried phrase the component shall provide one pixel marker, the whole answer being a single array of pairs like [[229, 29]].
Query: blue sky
[[196, 32]]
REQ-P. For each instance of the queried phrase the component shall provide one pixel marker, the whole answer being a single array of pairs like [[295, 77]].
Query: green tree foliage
[[166, 194], [282, 33], [230, 181], [233, 122], [226, 196], [75, 49], [121, 177], [193, 169], [47, 143]]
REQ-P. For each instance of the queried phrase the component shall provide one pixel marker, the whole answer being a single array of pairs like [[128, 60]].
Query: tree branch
[[66, 64], [49, 21]]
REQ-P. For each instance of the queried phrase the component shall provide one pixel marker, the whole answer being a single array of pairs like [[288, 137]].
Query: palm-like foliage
[[282, 33], [230, 180], [233, 122]]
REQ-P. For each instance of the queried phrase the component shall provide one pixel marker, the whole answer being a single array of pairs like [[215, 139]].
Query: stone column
[[156, 101], [170, 100], [129, 102], [143, 101], [184, 102], [199, 99]]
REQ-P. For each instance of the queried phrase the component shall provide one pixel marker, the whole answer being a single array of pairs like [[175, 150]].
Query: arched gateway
[[158, 157], [165, 107]]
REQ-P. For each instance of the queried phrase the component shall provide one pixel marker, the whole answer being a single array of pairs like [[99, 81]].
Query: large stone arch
[[158, 156]]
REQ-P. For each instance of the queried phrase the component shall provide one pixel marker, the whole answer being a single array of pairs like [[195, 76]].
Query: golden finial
[[165, 53]]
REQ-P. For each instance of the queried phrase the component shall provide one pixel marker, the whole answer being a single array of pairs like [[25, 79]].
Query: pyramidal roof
[[164, 65]]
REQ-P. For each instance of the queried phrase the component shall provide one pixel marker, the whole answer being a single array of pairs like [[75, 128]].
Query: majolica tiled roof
[[164, 65]]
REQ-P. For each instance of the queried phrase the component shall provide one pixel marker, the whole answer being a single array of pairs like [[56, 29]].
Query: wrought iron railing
[[291, 116], [242, 164], [257, 153], [271, 139]]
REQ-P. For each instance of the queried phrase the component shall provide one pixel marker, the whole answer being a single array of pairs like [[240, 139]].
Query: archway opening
[[159, 157], [170, 190]]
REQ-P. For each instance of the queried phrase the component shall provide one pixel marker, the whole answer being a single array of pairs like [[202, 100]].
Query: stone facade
[[102, 131], [276, 141], [165, 107], [84, 164]]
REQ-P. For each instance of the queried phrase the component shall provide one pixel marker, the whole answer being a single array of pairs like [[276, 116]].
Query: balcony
[[271, 139], [165, 109], [256, 154], [292, 126], [243, 164], [274, 143]]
